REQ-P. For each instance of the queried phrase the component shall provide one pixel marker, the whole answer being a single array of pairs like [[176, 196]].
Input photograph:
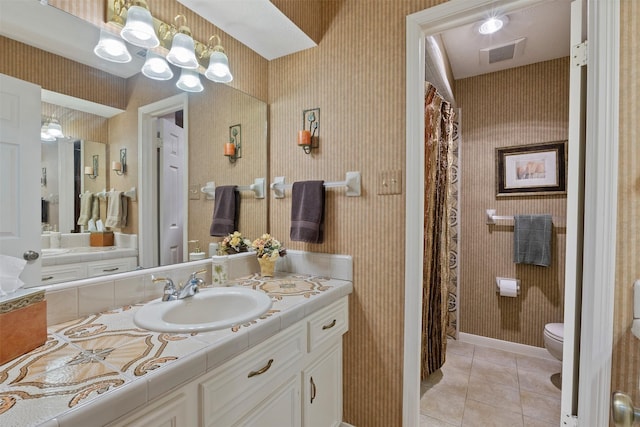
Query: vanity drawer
[[233, 388], [327, 323], [111, 266], [63, 273]]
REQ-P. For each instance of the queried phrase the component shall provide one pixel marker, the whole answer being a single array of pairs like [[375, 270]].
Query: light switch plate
[[389, 182]]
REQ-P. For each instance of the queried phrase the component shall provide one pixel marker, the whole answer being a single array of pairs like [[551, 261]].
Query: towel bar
[[352, 182], [258, 187], [492, 218]]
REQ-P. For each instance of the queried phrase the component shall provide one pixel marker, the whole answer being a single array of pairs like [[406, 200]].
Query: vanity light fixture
[[92, 171], [233, 148], [183, 48], [189, 81], [218, 69], [120, 168], [55, 129], [156, 68], [139, 28], [308, 139], [111, 48], [492, 25], [45, 136]]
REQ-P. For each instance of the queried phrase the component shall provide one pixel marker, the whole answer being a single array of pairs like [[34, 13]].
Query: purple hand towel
[[307, 212], [226, 211]]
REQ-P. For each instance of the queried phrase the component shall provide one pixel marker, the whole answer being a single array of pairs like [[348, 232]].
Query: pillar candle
[[116, 166], [304, 137], [229, 149], [88, 170]]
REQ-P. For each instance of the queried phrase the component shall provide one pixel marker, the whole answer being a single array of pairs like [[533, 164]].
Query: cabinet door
[[322, 390], [175, 410], [281, 408]]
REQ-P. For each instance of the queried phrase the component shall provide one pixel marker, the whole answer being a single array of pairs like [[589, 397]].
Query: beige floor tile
[[443, 406], [458, 361], [538, 382], [498, 395], [495, 373], [532, 422], [459, 347], [450, 380], [427, 421], [540, 407], [496, 356], [538, 364], [478, 414]]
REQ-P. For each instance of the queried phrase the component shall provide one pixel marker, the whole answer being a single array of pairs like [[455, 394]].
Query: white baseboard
[[526, 350], [343, 424]]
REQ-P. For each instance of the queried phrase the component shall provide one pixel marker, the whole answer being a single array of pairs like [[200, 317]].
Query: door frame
[[600, 197], [148, 238]]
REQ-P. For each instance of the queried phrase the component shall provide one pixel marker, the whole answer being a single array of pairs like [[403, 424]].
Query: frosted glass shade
[[54, 129], [112, 48], [156, 68], [139, 28], [44, 134], [189, 81], [182, 53], [218, 69]]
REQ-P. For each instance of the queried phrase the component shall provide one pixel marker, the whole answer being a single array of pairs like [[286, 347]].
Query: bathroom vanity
[[284, 368]]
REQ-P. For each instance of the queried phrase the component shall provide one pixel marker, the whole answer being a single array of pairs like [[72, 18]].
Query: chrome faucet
[[189, 289]]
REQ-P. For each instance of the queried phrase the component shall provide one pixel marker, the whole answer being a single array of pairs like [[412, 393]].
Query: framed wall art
[[532, 170]]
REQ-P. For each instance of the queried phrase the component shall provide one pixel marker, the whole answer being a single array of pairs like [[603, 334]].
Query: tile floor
[[484, 387]]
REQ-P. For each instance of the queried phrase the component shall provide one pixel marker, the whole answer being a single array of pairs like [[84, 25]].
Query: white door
[[171, 194], [19, 173]]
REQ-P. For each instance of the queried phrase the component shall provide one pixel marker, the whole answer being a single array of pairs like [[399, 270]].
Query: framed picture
[[531, 170]]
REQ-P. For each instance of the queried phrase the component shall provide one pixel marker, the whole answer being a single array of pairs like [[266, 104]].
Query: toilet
[[553, 339]]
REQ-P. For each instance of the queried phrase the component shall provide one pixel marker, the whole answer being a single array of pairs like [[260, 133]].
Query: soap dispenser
[[197, 253]]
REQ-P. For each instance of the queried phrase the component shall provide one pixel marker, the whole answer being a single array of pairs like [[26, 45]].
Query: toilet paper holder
[[498, 279]]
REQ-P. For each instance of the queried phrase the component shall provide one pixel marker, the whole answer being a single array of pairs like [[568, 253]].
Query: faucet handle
[[195, 273], [169, 288]]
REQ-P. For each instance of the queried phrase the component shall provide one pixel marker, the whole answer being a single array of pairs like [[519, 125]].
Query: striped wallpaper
[[626, 348], [524, 105]]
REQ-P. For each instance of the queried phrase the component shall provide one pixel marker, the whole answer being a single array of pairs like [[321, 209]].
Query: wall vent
[[503, 52]]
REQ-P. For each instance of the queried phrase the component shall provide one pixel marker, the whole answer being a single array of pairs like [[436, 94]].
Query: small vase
[[267, 265]]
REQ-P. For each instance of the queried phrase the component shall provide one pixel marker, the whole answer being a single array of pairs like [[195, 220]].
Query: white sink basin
[[54, 251], [208, 310]]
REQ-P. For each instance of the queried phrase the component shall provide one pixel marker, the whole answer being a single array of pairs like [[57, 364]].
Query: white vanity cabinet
[[82, 270], [292, 379]]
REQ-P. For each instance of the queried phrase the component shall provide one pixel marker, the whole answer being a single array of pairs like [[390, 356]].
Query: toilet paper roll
[[508, 287]]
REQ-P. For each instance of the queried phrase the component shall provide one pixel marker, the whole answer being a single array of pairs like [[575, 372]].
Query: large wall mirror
[[211, 114]]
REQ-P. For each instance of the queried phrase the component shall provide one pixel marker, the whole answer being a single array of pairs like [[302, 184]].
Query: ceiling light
[[189, 81], [139, 28], [218, 69], [112, 48], [54, 128], [156, 68], [492, 25]]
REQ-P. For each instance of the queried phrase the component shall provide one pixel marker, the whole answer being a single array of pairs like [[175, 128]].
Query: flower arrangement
[[233, 243], [268, 247]]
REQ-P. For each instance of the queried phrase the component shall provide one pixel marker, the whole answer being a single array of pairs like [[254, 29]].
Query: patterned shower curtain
[[438, 157]]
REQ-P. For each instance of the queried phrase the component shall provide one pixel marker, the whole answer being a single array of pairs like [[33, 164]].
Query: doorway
[[148, 172], [599, 201]]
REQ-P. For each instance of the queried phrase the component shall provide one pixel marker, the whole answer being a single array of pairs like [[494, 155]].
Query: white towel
[[114, 209], [86, 205]]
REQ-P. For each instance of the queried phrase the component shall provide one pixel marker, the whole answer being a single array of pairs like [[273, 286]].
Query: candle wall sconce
[[92, 171], [120, 168], [43, 177], [233, 148], [309, 139]]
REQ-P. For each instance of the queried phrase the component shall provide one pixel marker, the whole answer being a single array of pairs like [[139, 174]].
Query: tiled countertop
[[89, 253], [97, 368]]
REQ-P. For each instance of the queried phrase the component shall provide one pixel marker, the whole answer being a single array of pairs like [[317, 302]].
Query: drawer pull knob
[[47, 278], [313, 390], [330, 325], [261, 370], [111, 269]]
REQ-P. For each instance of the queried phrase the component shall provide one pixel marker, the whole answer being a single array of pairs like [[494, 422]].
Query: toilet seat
[[555, 331]]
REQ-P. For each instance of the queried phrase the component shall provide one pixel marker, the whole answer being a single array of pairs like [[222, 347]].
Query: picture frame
[[532, 170]]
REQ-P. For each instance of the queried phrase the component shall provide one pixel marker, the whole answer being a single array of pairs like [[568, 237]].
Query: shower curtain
[[438, 143]]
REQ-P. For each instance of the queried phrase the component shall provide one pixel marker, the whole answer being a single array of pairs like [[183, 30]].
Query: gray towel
[[226, 211], [532, 239], [307, 212]]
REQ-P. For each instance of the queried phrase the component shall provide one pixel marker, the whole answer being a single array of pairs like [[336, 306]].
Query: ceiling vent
[[507, 51]]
